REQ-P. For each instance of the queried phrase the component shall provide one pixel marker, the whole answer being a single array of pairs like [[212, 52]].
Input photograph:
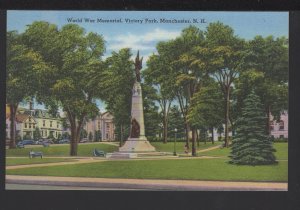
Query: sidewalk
[[146, 184]]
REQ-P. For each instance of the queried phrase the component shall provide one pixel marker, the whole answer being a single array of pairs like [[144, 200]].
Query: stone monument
[[137, 141]]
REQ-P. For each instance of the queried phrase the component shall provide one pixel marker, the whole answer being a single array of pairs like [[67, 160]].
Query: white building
[[103, 123]]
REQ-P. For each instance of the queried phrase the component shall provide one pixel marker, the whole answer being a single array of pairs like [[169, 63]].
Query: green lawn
[[191, 169], [25, 161], [281, 151], [86, 149], [169, 147], [58, 150]]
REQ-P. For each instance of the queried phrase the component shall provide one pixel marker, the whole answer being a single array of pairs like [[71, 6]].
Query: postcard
[[147, 100]]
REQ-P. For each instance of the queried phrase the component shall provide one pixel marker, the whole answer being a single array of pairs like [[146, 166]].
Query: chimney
[[30, 105]]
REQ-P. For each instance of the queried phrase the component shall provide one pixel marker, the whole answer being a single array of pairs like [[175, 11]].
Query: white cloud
[[141, 42], [118, 46]]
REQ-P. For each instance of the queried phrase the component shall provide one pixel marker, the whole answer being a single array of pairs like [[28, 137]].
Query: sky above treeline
[[142, 30]]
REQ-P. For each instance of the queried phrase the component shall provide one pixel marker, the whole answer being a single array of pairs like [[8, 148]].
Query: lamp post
[[174, 153], [161, 127]]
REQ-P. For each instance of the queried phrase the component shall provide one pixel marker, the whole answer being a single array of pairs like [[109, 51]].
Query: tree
[[97, 135], [90, 136], [158, 76], [267, 58], [36, 134], [117, 84], [251, 146], [83, 133], [190, 77], [226, 51], [51, 136], [151, 113], [22, 62], [205, 111], [65, 135], [176, 120], [73, 59]]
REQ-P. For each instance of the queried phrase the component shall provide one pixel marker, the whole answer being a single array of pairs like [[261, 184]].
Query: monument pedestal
[[137, 142], [137, 145]]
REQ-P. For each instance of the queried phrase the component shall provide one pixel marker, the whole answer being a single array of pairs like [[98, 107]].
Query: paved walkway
[[210, 148], [149, 184], [79, 161]]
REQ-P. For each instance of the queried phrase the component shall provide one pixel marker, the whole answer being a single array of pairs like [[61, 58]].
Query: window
[[33, 125], [42, 133], [57, 124], [25, 125], [271, 125], [29, 125], [56, 133], [281, 125], [50, 124], [44, 123]]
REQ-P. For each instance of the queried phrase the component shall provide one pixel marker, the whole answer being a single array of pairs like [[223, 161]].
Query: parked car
[[39, 141], [20, 144], [47, 141], [27, 142], [64, 141], [84, 140]]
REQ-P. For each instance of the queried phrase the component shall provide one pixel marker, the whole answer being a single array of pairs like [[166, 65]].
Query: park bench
[[98, 153], [33, 154]]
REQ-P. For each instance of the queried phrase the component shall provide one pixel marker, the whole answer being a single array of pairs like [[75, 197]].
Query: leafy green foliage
[[251, 146], [36, 134], [73, 59], [117, 84]]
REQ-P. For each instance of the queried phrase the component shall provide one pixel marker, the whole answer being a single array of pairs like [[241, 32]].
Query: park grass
[[27, 161], [281, 152], [169, 147], [59, 150], [86, 149], [184, 169]]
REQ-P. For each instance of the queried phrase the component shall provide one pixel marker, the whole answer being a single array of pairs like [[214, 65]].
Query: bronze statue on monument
[[138, 66]]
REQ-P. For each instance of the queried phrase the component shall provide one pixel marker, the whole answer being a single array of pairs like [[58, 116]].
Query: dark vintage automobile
[[64, 141]]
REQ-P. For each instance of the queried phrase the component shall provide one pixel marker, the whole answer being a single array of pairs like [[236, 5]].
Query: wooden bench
[[33, 154], [98, 153]]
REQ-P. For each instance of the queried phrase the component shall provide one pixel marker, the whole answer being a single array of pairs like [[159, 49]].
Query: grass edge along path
[[188, 169], [29, 161], [280, 154]]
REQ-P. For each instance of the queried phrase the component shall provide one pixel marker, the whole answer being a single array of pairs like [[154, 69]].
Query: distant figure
[[138, 66], [186, 149]]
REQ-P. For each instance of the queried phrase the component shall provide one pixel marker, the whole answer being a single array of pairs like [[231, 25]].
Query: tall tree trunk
[[122, 134], [194, 153], [187, 130], [73, 145], [198, 139], [13, 111], [165, 129], [226, 116], [212, 135]]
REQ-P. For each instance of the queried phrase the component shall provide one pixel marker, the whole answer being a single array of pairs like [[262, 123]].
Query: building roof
[[39, 113], [22, 117]]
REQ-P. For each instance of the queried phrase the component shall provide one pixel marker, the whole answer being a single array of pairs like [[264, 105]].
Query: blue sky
[[144, 36]]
